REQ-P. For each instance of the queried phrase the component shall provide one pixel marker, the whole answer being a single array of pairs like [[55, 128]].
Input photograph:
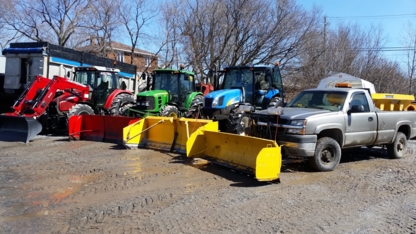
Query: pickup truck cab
[[319, 123]]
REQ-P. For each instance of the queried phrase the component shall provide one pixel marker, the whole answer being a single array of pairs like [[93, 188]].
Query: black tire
[[195, 107], [121, 103], [80, 109], [327, 155], [238, 123], [169, 111], [275, 102], [398, 148]]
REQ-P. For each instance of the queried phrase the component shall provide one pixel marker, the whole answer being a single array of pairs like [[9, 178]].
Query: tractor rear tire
[[195, 107], [121, 104], [169, 111], [275, 102]]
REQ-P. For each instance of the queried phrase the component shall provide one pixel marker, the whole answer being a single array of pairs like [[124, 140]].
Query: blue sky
[[392, 15]]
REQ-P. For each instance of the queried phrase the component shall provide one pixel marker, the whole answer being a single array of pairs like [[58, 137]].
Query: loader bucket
[[163, 133], [252, 155], [18, 128], [100, 128]]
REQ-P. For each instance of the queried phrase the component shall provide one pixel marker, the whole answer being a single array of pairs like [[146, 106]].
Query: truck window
[[319, 99], [360, 99]]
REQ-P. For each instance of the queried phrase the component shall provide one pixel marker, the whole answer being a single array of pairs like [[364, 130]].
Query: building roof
[[118, 47]]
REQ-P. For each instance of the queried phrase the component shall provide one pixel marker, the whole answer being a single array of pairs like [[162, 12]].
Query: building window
[[147, 61], [120, 56]]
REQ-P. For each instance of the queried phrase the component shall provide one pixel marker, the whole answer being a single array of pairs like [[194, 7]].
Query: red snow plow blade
[[98, 127], [18, 128]]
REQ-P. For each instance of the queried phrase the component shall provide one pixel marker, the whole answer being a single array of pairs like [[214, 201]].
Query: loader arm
[[37, 97]]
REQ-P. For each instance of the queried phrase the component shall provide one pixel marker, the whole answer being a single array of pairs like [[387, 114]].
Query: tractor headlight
[[215, 102], [145, 103]]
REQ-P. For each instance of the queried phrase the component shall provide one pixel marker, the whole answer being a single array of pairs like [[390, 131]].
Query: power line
[[374, 16]]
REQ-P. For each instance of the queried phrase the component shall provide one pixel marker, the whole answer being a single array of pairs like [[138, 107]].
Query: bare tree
[[214, 33], [104, 25], [135, 15], [54, 21], [410, 43]]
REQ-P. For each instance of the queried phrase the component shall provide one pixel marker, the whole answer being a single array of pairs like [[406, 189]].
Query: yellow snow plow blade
[[163, 133], [252, 155]]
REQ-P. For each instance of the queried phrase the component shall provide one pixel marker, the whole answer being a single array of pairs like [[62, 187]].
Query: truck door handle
[[370, 119]]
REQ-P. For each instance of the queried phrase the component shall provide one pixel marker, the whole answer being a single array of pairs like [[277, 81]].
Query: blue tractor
[[256, 87]]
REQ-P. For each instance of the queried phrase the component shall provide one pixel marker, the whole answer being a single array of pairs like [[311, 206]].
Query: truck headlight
[[298, 122], [296, 126]]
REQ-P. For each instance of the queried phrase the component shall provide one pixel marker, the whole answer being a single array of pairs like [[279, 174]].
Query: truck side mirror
[[356, 108], [143, 76]]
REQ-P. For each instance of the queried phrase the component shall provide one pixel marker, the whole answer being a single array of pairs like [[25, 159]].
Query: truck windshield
[[328, 100]]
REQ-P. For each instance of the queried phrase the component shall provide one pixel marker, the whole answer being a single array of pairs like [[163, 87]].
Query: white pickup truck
[[319, 123]]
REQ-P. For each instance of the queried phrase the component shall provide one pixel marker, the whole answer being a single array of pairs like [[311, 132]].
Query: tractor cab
[[257, 85], [172, 94], [177, 83], [102, 82]]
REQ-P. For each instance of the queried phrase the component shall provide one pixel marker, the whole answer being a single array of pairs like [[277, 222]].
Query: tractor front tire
[[169, 111], [121, 104], [195, 107], [238, 123], [80, 109]]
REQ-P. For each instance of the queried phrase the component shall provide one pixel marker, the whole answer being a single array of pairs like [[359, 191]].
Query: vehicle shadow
[[348, 155], [238, 178]]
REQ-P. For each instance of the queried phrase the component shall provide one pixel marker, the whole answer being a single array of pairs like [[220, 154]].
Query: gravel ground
[[53, 185]]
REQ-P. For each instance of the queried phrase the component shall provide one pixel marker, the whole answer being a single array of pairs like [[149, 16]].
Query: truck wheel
[[195, 107], [80, 109], [121, 103], [169, 111], [275, 102], [398, 148], [327, 154]]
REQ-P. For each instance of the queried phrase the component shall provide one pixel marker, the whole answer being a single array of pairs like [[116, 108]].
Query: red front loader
[[47, 104]]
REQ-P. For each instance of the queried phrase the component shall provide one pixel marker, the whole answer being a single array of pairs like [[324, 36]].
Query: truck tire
[[169, 111], [195, 107], [398, 148], [121, 103], [327, 154], [80, 109], [275, 102]]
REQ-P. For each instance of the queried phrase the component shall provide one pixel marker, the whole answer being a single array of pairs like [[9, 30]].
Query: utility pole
[[325, 46]]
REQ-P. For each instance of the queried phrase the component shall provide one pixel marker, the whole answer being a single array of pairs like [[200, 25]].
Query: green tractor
[[170, 93]]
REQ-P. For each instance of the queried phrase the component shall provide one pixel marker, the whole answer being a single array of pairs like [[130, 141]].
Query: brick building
[[144, 60]]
